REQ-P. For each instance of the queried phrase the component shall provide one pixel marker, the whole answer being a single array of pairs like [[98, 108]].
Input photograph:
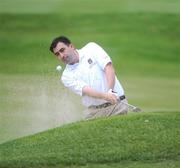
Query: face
[[66, 54]]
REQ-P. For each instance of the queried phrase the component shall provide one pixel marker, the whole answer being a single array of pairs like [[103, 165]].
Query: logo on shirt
[[90, 61]]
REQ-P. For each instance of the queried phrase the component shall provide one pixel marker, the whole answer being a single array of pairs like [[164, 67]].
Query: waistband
[[104, 105]]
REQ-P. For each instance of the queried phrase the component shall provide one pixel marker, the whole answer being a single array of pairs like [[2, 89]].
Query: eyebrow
[[60, 50]]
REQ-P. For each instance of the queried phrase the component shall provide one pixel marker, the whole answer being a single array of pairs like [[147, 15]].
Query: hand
[[115, 93], [112, 97]]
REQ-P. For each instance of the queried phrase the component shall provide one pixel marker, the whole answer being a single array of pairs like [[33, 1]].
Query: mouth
[[67, 59]]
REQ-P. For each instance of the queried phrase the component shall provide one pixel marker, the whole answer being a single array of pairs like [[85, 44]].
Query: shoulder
[[90, 45]]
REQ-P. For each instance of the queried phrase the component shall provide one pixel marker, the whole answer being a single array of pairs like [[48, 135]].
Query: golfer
[[89, 73]]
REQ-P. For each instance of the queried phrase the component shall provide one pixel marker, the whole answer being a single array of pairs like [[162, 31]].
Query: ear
[[72, 46]]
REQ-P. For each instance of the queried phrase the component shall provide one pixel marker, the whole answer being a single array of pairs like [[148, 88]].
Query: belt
[[104, 105], [122, 97]]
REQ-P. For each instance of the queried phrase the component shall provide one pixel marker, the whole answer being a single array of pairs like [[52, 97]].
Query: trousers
[[120, 108]]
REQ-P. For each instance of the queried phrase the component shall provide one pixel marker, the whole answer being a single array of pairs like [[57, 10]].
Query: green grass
[[152, 42], [86, 6], [142, 139]]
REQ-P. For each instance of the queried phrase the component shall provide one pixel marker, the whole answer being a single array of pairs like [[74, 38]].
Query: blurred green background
[[141, 36]]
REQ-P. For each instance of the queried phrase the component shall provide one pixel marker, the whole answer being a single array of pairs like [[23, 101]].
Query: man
[[89, 73]]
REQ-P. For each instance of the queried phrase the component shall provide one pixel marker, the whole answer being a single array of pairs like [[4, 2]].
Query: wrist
[[105, 96], [110, 91]]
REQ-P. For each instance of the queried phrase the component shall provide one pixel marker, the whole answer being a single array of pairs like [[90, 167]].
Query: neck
[[76, 58]]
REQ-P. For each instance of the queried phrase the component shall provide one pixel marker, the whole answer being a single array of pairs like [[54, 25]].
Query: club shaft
[[129, 105]]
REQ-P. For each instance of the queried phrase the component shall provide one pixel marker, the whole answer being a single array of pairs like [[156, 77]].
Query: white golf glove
[[114, 93]]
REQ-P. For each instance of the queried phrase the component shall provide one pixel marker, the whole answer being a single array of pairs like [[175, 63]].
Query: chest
[[87, 69]]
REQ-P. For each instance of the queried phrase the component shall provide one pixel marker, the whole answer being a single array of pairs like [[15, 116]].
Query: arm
[[110, 75], [80, 88], [104, 62], [100, 95]]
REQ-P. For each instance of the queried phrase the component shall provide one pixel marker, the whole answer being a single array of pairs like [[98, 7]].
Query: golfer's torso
[[90, 72]]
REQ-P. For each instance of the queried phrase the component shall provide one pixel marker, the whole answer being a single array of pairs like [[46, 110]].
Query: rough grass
[[148, 48], [86, 6], [148, 138]]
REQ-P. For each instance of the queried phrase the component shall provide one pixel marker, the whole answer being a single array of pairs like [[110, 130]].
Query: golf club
[[132, 108]]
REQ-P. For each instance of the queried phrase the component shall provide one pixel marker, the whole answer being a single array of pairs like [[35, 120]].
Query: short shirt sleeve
[[73, 84], [99, 55]]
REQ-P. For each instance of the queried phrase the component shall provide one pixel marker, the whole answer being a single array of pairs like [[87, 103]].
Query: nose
[[61, 55]]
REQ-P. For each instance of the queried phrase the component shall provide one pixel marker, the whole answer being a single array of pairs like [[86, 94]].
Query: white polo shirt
[[89, 71]]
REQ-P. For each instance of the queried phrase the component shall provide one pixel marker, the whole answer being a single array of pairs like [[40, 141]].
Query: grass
[[152, 41], [86, 6], [148, 138]]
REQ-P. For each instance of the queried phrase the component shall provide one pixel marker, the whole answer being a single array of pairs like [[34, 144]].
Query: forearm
[[110, 75], [87, 90]]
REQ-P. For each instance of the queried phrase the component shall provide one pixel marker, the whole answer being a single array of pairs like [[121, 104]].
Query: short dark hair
[[62, 39]]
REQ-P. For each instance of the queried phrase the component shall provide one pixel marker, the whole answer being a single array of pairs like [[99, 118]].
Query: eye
[[61, 50], [57, 54]]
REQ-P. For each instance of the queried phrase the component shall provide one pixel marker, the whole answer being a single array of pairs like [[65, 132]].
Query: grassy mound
[[142, 38], [138, 140]]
